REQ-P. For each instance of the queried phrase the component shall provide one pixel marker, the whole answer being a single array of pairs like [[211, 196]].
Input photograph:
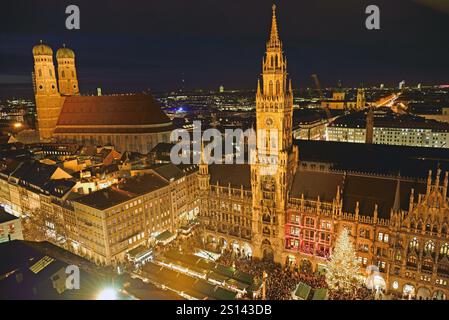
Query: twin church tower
[[50, 91]]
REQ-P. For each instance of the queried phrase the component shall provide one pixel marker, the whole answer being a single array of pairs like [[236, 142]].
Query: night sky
[[130, 46]]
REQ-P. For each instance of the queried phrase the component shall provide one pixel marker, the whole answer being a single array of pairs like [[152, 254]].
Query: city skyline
[[157, 46]]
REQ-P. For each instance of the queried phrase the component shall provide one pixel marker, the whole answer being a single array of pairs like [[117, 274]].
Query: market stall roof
[[164, 236], [255, 286], [320, 294], [302, 291], [243, 277], [223, 294], [139, 251], [240, 285], [226, 271], [218, 277]]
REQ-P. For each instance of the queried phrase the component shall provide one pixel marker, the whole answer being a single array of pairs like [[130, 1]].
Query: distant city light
[[18, 125]]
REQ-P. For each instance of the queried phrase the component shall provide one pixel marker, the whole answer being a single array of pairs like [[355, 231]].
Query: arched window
[[266, 230], [427, 264], [270, 88], [40, 73], [266, 242], [419, 227], [429, 248], [444, 250], [414, 244], [278, 87], [412, 260], [266, 217], [272, 61], [435, 229], [62, 74]]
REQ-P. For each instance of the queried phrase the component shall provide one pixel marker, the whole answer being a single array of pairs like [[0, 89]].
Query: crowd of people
[[363, 293], [280, 281]]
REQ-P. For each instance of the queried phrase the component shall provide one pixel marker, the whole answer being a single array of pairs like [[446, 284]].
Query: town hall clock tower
[[274, 161]]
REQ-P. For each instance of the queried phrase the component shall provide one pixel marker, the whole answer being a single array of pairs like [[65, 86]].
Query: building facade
[[291, 213], [387, 128]]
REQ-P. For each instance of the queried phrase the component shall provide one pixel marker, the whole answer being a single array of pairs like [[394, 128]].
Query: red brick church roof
[[136, 113]]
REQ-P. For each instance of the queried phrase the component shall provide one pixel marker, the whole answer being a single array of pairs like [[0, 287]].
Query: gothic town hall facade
[[291, 212]]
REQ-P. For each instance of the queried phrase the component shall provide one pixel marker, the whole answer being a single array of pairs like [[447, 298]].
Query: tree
[[343, 271]]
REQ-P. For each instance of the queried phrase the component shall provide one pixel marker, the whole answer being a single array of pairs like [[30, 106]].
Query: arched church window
[[444, 250], [414, 244], [270, 88], [429, 248], [50, 72], [278, 87], [62, 74], [40, 73], [272, 61]]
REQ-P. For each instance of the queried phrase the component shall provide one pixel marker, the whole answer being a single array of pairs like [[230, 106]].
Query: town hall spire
[[274, 35]]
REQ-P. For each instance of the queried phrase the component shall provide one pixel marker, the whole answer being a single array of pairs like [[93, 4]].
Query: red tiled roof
[[119, 110]]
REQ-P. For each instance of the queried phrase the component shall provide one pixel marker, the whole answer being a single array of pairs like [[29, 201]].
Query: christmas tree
[[343, 270]]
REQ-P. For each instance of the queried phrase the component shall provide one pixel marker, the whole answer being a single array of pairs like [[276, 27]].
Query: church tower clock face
[[269, 122]]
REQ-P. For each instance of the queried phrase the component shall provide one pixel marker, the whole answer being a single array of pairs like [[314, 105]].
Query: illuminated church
[[131, 122]]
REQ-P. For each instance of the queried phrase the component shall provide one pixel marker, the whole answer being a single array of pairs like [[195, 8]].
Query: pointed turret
[[397, 197], [203, 171], [274, 41]]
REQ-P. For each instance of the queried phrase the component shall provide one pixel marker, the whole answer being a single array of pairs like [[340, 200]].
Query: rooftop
[[123, 191], [374, 158], [385, 118], [121, 113]]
